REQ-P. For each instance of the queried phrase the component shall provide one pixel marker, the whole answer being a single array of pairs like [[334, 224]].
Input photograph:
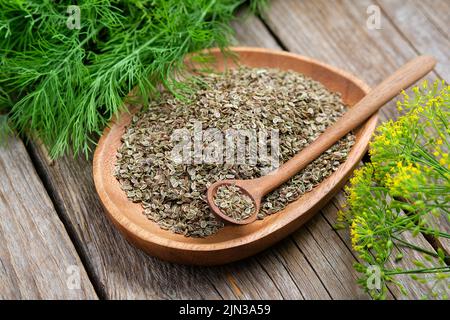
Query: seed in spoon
[[233, 202]]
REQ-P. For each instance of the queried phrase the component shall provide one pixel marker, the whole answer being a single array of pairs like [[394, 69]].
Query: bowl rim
[[125, 224]]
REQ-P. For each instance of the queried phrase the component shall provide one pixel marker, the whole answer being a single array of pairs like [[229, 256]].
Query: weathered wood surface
[[426, 27], [37, 258], [316, 262]]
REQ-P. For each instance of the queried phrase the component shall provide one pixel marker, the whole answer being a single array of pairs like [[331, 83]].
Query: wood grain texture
[[425, 25], [436, 12], [250, 31], [118, 269], [36, 255], [336, 33], [330, 258]]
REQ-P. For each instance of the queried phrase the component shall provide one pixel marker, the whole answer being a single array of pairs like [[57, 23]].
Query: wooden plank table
[[56, 241]]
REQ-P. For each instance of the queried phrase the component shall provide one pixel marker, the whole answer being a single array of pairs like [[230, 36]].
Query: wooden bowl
[[232, 242]]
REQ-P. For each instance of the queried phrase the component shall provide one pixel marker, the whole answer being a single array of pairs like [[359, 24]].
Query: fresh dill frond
[[63, 84]]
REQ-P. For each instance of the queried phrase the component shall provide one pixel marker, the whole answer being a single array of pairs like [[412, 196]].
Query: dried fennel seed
[[234, 203], [174, 196]]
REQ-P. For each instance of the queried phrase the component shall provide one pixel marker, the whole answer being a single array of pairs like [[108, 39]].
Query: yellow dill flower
[[404, 179], [341, 216], [405, 95], [355, 236], [414, 117]]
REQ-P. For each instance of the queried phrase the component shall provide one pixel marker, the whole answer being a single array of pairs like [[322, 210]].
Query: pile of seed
[[233, 202], [174, 195]]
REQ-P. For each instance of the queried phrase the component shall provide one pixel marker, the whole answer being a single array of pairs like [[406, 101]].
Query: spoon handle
[[354, 117]]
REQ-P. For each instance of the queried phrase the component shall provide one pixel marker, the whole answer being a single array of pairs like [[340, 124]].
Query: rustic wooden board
[[437, 13], [425, 25], [336, 33], [37, 256], [250, 31]]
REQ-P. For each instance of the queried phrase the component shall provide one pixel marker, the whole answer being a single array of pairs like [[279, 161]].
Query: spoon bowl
[[247, 187]]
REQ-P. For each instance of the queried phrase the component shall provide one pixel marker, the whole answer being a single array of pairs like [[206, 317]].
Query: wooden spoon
[[257, 188]]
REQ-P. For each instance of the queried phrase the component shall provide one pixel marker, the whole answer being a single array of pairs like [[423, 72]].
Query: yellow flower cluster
[[409, 171], [361, 234], [404, 179], [413, 151]]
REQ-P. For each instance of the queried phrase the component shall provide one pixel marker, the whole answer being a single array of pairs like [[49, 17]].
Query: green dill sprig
[[62, 85]]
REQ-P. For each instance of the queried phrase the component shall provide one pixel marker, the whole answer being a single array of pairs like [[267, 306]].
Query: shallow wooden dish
[[232, 242]]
